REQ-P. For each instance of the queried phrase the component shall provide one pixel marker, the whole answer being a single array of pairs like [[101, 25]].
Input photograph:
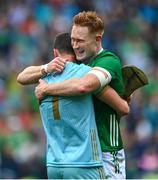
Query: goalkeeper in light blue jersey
[[73, 148], [69, 123]]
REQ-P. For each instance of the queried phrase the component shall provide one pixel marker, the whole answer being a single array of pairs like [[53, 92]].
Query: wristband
[[44, 69]]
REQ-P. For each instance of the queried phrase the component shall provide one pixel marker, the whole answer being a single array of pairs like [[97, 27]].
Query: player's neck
[[69, 58], [99, 50]]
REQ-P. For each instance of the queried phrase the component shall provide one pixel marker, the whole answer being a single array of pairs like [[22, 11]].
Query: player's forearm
[[111, 98], [73, 87], [30, 75]]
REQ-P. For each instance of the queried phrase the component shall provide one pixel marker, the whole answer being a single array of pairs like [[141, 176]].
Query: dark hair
[[62, 42]]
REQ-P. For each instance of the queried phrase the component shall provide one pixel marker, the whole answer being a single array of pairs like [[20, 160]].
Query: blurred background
[[27, 30]]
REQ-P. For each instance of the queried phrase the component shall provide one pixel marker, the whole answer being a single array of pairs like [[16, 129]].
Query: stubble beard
[[86, 60]]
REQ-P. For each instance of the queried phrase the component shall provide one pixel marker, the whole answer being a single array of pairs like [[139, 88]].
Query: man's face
[[83, 42]]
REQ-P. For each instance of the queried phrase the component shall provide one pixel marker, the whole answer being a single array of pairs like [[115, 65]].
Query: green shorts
[[75, 173]]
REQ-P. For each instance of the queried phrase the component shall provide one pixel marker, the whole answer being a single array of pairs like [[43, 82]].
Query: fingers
[[56, 65], [40, 89], [41, 81], [59, 61], [58, 69], [38, 93], [128, 99]]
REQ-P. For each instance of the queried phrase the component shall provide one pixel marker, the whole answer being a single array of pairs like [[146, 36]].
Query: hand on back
[[40, 89], [128, 99]]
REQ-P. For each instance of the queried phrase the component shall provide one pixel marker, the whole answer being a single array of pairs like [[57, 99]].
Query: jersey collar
[[100, 51]]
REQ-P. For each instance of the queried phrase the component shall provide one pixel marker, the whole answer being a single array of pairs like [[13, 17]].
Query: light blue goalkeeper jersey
[[69, 124]]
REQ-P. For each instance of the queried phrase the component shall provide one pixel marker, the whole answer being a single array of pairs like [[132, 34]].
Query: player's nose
[[75, 45]]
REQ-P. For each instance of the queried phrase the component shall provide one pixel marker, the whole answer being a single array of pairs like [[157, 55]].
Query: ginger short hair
[[91, 20]]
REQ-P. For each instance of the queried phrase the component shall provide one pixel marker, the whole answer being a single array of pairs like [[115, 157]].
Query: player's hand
[[56, 65], [128, 99], [40, 89]]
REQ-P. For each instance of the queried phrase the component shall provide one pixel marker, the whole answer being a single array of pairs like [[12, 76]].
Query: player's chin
[[80, 58]]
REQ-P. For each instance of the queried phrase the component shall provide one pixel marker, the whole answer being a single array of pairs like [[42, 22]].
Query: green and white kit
[[106, 118]]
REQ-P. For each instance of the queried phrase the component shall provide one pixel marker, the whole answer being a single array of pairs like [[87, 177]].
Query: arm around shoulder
[[73, 87]]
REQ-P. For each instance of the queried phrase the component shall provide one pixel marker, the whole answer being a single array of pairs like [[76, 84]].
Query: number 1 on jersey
[[55, 107]]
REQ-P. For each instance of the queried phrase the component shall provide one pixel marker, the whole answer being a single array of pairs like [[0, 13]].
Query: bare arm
[[80, 86], [70, 87], [32, 74], [111, 98], [94, 79]]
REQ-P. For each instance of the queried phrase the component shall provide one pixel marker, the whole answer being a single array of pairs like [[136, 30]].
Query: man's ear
[[98, 38], [56, 53]]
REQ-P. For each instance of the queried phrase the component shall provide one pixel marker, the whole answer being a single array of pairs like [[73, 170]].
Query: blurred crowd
[[27, 31]]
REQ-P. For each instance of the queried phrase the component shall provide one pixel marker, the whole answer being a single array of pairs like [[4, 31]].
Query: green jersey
[[106, 118]]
